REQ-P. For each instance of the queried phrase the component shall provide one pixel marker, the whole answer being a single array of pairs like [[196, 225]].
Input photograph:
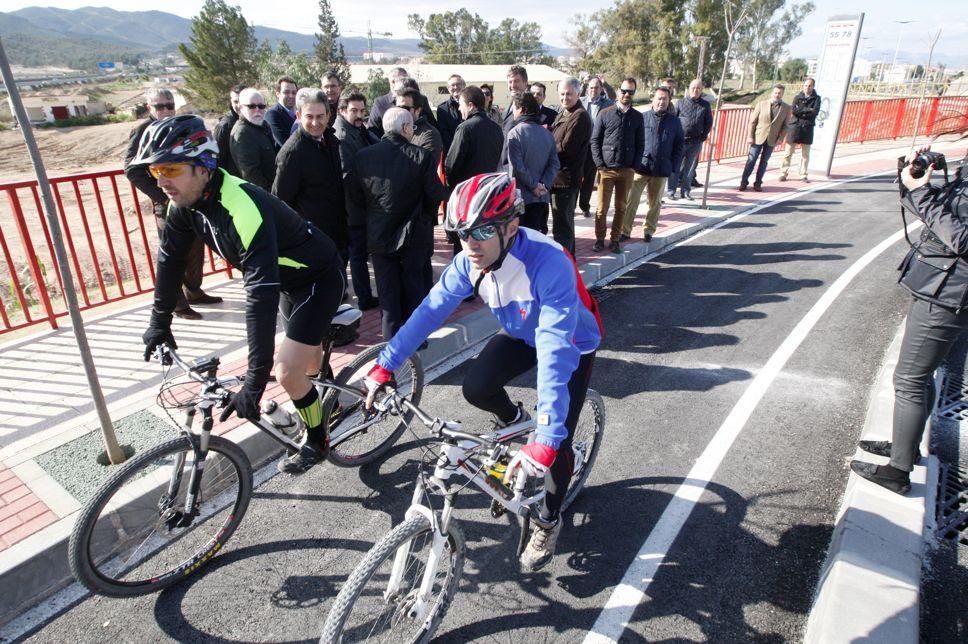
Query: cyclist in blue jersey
[[549, 320]]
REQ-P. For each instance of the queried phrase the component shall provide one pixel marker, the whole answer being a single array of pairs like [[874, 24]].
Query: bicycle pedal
[[497, 510]]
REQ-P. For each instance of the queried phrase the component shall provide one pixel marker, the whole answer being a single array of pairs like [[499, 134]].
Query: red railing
[[111, 239]]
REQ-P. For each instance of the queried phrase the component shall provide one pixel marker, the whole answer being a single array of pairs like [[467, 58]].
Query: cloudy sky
[[883, 34]]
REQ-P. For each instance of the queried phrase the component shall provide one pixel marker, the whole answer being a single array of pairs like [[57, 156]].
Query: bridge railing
[[111, 237]]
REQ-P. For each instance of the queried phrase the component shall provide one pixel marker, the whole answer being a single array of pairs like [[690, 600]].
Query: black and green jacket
[[275, 249]]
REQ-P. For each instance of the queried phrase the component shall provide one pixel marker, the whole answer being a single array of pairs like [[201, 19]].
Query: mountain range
[[47, 35]]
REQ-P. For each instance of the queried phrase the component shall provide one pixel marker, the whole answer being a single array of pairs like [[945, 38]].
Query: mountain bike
[[402, 588], [166, 512]]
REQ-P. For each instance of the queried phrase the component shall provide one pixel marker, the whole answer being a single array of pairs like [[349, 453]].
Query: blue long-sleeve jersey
[[538, 297]]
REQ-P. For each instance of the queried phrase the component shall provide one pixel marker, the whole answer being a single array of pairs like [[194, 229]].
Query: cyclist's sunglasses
[[481, 234], [168, 170]]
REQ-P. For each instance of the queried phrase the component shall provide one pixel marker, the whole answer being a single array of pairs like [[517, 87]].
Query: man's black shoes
[[886, 476], [881, 448], [368, 303]]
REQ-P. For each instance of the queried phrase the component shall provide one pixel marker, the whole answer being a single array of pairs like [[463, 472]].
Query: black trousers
[[589, 173], [401, 281], [536, 217], [359, 266], [505, 358], [929, 334]]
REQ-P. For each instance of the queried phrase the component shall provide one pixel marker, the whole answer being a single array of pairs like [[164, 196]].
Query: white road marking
[[630, 592]]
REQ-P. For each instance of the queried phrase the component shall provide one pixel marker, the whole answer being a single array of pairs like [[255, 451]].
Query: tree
[[272, 65], [221, 54], [464, 38], [767, 31], [377, 84], [793, 70], [330, 56]]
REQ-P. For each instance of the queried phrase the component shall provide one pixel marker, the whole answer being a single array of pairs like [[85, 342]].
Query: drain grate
[[603, 293], [952, 512], [953, 398]]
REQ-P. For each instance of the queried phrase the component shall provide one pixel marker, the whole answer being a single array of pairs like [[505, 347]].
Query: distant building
[[433, 78], [52, 108]]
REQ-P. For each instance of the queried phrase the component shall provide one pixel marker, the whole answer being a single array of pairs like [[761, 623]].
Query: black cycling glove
[[158, 333], [245, 403]]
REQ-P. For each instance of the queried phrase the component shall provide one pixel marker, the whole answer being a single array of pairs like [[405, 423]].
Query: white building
[[433, 78]]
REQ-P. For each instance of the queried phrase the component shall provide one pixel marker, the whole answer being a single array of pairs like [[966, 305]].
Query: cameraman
[[935, 271]]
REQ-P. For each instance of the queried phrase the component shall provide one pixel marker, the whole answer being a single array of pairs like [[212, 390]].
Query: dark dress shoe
[[202, 298], [742, 187], [369, 303], [188, 314], [757, 187], [696, 184], [615, 248], [881, 448], [599, 245], [624, 238], [647, 238], [884, 475]]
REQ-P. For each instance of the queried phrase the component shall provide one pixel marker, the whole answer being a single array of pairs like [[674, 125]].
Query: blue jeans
[[682, 176], [761, 151]]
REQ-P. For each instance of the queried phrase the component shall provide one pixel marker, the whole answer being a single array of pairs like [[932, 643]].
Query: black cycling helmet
[[177, 139]]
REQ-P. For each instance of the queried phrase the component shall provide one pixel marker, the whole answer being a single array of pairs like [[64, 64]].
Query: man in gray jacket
[[696, 116], [532, 161]]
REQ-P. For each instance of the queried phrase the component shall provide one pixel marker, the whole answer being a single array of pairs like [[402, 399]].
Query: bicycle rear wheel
[[361, 445], [128, 540], [364, 612], [586, 441]]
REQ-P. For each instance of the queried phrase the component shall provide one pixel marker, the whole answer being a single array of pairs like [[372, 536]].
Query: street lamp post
[[897, 47]]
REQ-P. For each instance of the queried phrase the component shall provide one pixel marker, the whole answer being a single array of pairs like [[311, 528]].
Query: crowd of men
[[373, 177]]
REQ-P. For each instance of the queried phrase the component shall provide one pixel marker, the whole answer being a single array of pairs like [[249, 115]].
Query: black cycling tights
[[503, 359]]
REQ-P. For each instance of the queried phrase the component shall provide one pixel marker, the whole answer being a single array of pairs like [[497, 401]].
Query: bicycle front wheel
[[586, 441], [133, 537], [367, 610], [353, 443]]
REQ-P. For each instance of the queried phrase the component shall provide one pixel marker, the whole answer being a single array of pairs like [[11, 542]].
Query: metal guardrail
[[111, 243], [111, 238]]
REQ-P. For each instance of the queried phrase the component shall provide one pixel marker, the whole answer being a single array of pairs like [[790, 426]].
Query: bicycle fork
[[185, 517], [420, 606]]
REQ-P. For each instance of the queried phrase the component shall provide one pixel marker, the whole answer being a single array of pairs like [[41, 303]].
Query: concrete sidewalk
[[44, 404]]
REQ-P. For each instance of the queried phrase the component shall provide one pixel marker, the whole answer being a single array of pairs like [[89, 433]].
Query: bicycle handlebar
[[215, 388], [441, 427]]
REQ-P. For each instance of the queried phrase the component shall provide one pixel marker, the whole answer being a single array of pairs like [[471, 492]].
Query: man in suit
[[546, 115], [382, 103], [767, 122], [448, 112], [282, 115], [596, 101]]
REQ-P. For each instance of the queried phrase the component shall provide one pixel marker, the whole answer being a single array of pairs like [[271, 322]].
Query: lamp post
[[897, 47]]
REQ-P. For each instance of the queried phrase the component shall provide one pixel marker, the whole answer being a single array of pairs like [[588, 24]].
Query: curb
[[870, 582]]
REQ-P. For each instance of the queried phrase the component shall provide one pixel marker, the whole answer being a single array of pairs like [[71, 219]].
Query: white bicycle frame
[[454, 458]]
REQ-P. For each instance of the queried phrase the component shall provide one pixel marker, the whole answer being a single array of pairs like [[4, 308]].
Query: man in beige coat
[[767, 123]]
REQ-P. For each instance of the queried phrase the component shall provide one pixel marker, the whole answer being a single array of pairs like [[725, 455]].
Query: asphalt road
[[687, 333]]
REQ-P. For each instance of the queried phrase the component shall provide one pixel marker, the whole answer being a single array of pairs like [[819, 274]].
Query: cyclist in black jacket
[[285, 260]]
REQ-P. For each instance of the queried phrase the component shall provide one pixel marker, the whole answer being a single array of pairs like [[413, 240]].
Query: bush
[[95, 119]]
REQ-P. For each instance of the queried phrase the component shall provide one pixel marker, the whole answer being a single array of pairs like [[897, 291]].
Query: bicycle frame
[[454, 458]]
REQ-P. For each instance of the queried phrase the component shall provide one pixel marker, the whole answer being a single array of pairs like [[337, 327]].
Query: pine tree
[[221, 53], [330, 56]]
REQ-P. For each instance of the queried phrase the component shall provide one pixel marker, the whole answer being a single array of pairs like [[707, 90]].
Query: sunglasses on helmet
[[168, 170], [481, 234]]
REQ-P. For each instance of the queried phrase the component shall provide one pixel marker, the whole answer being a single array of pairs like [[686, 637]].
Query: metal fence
[[111, 236]]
